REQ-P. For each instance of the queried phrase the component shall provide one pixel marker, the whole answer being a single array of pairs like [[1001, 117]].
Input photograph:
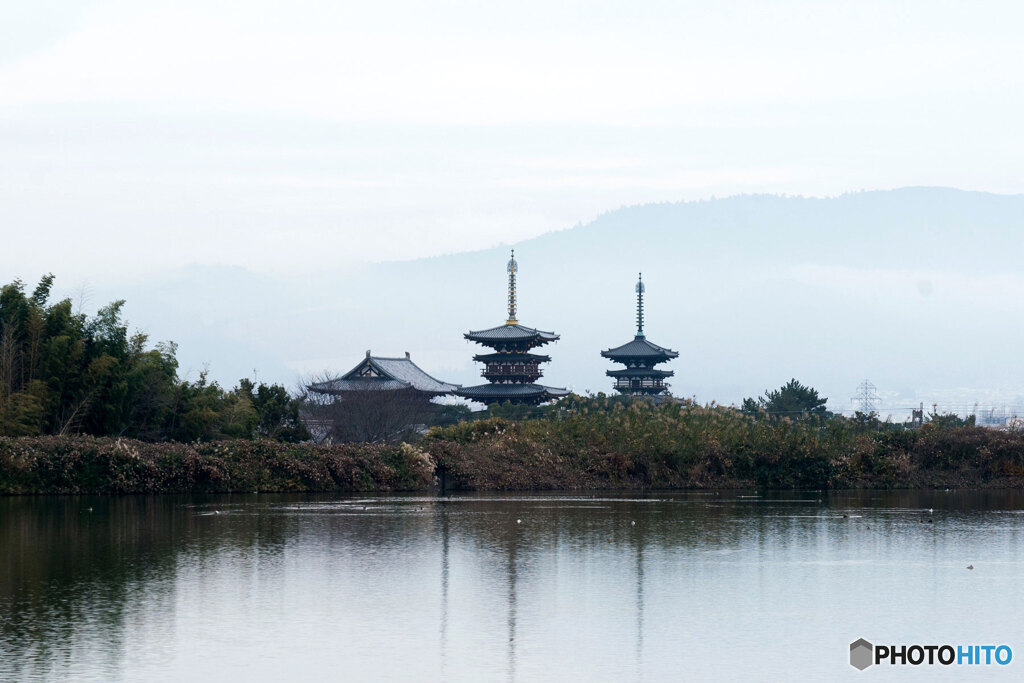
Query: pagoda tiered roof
[[511, 358], [510, 391], [510, 332], [640, 377], [511, 370], [640, 372], [640, 347]]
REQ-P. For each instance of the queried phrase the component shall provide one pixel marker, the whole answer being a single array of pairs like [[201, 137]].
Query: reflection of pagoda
[[511, 370], [640, 356]]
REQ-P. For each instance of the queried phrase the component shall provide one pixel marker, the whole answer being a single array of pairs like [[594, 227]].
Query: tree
[[792, 400], [866, 421], [277, 413], [949, 420], [451, 413], [64, 373]]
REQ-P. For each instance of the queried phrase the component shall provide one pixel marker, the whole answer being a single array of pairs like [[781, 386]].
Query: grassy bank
[[597, 443], [583, 444], [84, 464]]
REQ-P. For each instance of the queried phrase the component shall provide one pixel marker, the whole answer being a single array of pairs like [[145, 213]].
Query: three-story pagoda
[[640, 376], [511, 370]]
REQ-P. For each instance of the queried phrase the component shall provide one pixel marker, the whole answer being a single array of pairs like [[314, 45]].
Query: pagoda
[[640, 377], [511, 370]]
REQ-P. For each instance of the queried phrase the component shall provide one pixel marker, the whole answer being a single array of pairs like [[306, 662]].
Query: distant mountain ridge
[[919, 289]]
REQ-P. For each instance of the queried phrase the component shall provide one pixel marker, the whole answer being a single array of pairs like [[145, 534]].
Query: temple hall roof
[[376, 372]]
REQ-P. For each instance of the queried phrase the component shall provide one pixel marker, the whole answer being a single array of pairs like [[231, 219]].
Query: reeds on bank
[[583, 443]]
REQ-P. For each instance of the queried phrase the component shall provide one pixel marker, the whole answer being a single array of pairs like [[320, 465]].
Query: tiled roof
[[337, 386], [511, 358], [492, 391], [510, 332], [639, 372], [404, 370], [394, 373], [640, 348]]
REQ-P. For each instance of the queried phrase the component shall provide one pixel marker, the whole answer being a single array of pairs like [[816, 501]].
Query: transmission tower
[[866, 397]]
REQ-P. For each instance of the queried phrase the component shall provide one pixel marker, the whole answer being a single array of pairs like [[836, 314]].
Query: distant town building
[[511, 370], [640, 377], [387, 374]]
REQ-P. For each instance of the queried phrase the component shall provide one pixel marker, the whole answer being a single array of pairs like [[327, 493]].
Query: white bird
[[633, 523], [519, 521]]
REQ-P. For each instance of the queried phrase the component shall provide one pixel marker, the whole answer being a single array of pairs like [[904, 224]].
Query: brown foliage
[[84, 464]]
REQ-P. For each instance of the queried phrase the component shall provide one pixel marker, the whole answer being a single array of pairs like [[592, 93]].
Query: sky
[[287, 137], [160, 151]]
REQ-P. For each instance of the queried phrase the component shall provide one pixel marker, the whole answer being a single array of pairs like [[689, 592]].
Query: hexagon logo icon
[[861, 654]]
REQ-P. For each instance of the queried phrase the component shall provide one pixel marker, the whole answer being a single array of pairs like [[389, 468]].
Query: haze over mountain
[[918, 289]]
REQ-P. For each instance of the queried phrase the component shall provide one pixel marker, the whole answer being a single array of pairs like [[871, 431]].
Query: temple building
[[640, 377], [388, 374], [511, 370]]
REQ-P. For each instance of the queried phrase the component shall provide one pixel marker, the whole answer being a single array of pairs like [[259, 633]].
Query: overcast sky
[[284, 136]]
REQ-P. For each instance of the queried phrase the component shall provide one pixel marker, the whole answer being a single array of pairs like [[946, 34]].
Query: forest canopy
[[63, 372]]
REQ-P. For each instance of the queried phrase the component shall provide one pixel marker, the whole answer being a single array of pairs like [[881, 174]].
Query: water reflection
[[639, 598], [512, 546], [514, 587], [444, 591]]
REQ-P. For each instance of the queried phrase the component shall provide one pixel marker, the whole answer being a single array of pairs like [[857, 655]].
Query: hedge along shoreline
[[635, 447], [91, 465], [681, 445]]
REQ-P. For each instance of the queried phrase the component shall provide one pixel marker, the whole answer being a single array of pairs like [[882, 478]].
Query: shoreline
[[495, 456]]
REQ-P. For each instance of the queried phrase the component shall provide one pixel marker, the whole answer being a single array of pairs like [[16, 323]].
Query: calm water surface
[[530, 587]]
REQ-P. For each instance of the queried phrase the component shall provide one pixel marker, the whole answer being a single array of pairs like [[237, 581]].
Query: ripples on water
[[506, 587]]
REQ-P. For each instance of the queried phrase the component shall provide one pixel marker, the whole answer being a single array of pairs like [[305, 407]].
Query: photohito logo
[[863, 654]]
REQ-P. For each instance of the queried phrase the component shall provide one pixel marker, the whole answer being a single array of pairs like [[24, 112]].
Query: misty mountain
[[918, 289]]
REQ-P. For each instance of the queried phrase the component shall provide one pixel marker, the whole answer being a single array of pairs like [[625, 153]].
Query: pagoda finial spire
[[640, 306], [512, 268]]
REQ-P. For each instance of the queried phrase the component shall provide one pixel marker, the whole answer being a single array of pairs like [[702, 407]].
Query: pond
[[502, 587]]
